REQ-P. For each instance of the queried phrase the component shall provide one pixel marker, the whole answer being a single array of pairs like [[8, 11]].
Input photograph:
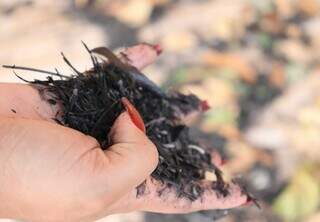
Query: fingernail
[[251, 201], [223, 162], [134, 114], [205, 105], [158, 48], [248, 203]]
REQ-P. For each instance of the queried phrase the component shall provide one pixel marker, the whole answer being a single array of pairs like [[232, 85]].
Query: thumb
[[132, 157]]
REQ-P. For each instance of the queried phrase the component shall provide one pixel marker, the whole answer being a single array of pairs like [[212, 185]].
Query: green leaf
[[179, 77], [300, 198], [295, 72], [228, 74], [220, 116], [185, 75], [265, 40]]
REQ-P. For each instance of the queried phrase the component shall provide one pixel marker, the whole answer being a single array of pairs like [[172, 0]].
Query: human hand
[[54, 173], [26, 102]]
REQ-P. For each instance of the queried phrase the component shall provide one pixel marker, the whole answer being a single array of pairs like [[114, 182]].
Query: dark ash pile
[[90, 103]]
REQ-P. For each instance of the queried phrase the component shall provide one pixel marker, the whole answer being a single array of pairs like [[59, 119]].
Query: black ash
[[90, 103]]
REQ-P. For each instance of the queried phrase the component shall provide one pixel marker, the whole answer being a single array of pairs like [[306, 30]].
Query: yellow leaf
[[300, 198]]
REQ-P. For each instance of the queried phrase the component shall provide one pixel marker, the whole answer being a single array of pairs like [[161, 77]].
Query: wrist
[[8, 207], [10, 204]]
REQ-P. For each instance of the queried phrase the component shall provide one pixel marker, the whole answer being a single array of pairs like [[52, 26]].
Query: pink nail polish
[[158, 48], [251, 201], [205, 105], [223, 162], [248, 203], [134, 114]]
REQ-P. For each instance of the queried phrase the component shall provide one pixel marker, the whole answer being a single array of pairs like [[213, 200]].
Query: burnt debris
[[90, 103]]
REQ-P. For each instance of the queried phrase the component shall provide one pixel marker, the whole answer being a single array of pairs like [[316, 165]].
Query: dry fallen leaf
[[294, 31], [277, 75], [314, 218], [223, 92], [131, 12], [308, 7], [178, 41], [271, 23], [243, 157], [208, 19], [284, 8], [232, 61], [294, 50]]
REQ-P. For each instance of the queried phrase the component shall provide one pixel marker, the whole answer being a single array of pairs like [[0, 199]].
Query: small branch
[[93, 59], [19, 77], [33, 70], [69, 64]]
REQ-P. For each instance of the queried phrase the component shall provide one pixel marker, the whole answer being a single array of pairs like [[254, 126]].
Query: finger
[[21, 100], [168, 202], [140, 55], [134, 114], [131, 158], [144, 54], [161, 199], [216, 159], [187, 108]]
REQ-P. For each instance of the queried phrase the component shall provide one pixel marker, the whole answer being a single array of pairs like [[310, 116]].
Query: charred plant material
[[90, 102]]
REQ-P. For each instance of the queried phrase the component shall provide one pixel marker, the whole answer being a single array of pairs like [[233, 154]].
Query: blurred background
[[255, 61]]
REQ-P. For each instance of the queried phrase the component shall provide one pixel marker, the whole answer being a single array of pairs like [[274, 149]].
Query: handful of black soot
[[91, 102]]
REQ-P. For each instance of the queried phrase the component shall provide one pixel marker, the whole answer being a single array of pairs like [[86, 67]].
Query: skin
[[49, 172]]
